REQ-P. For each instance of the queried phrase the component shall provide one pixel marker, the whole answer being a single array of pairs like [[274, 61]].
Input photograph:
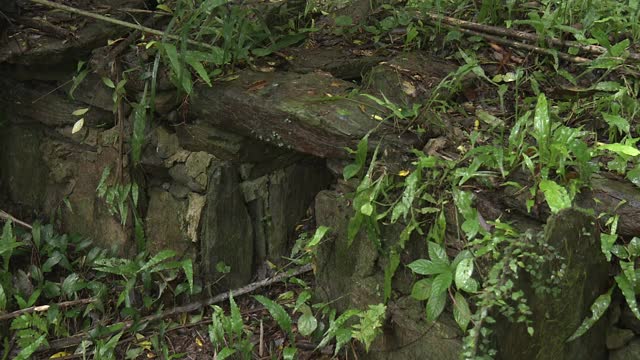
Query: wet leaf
[[629, 293], [428, 267], [421, 290], [557, 196], [307, 323], [80, 112], [441, 283], [598, 308], [435, 305], [77, 126], [461, 311], [321, 231], [620, 149], [464, 270], [437, 252], [617, 121], [277, 312]]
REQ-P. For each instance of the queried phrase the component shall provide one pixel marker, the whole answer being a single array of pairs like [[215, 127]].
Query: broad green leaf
[[464, 254], [421, 290], [464, 270], [277, 312], [437, 252], [289, 353], [435, 305], [317, 236], [307, 323], [557, 196], [461, 311], [471, 286], [598, 308], [606, 244], [634, 247], [441, 283], [428, 267], [629, 293], [620, 149], [72, 284], [617, 121], [225, 353], [633, 175]]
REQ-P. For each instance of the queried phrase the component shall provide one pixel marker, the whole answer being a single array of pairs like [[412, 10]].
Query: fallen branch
[[78, 338], [592, 49], [7, 217], [523, 46], [42, 308]]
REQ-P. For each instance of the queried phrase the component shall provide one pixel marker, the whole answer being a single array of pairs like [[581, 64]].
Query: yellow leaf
[[150, 44], [165, 8], [151, 355], [230, 78], [60, 354], [145, 345], [139, 336], [377, 117], [80, 112], [199, 342], [111, 42], [77, 126], [404, 173], [408, 88]]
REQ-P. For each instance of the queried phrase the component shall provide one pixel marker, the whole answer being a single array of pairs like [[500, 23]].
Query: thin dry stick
[[593, 49], [42, 308], [118, 22], [7, 217], [77, 338]]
